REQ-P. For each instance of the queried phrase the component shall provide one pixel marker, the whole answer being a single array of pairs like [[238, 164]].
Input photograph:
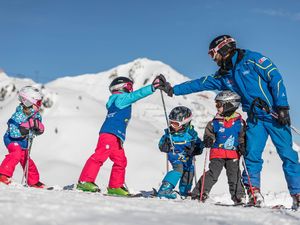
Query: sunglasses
[[219, 104]]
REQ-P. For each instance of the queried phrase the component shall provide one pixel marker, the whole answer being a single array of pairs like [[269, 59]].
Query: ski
[[141, 194], [275, 207], [229, 205], [138, 195]]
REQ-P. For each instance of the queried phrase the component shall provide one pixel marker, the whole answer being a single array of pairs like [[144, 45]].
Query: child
[[26, 119], [112, 135], [225, 135], [186, 145]]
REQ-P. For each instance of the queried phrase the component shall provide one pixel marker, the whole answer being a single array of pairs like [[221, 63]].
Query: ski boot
[[5, 179], [185, 190], [166, 191], [38, 185], [122, 191], [256, 199], [205, 196], [239, 200], [87, 186], [296, 201]]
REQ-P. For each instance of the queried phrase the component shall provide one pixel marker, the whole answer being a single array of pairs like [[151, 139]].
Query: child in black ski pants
[[225, 135]]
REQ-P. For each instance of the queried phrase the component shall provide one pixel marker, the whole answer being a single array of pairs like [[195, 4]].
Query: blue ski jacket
[[119, 111], [182, 140], [253, 75]]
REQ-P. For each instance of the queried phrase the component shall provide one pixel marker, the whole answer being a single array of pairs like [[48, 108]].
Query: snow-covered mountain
[[74, 109]]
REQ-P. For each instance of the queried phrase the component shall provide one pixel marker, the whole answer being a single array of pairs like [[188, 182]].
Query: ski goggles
[[176, 124], [30, 102], [128, 87], [214, 51]]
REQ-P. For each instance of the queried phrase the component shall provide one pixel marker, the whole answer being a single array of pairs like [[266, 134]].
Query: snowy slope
[[72, 124], [36, 207]]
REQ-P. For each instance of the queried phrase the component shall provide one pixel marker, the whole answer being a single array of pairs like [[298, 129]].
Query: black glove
[[283, 115], [166, 146], [194, 149], [208, 142], [159, 82], [168, 89], [189, 150], [242, 149]]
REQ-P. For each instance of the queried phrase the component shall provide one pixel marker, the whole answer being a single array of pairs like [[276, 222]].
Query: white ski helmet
[[229, 100], [29, 96]]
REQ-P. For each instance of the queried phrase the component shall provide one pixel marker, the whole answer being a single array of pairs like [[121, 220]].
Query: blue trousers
[[257, 135]]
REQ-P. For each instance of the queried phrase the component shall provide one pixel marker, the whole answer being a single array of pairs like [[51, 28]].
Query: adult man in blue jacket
[[254, 77]]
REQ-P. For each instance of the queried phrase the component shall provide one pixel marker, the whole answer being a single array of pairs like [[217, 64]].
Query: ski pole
[[249, 182], [25, 175], [260, 103], [168, 127], [275, 115], [195, 174], [203, 177]]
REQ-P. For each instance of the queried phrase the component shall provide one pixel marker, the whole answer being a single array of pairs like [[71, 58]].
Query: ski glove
[[166, 146], [194, 149], [189, 150], [159, 82], [283, 115], [168, 89], [242, 149], [34, 125], [208, 142]]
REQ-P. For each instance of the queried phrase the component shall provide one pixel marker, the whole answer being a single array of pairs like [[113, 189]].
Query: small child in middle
[[225, 135], [181, 151]]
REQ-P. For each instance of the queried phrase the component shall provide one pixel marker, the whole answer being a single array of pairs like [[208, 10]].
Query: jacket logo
[[229, 144], [111, 115], [222, 129], [261, 60], [246, 72]]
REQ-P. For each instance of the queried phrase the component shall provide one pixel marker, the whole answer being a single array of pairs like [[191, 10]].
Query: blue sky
[[44, 39]]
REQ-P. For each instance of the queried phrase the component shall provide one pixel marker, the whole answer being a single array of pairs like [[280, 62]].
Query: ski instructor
[[257, 80]]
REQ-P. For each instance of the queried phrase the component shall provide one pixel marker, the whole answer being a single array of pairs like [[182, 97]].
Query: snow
[[77, 113], [32, 206]]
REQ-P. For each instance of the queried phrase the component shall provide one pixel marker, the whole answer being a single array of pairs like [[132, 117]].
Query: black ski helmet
[[222, 44], [229, 100], [121, 84], [180, 116]]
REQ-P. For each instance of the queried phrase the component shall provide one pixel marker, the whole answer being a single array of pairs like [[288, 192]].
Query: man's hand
[[283, 115]]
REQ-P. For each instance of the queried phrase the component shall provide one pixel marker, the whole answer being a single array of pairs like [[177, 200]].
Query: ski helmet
[[29, 96], [121, 84], [230, 101], [180, 118], [222, 44]]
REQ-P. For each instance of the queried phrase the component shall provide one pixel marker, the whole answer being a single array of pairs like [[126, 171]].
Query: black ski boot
[[296, 201], [205, 196], [239, 200]]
